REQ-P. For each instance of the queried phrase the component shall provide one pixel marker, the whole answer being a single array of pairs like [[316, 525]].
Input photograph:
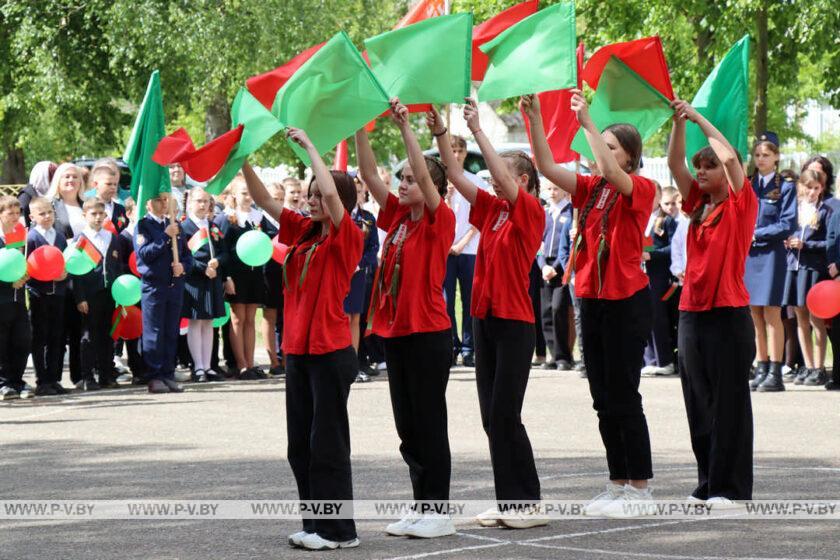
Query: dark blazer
[[62, 219], [832, 239], [556, 242], [118, 217], [7, 293], [366, 222], [37, 288], [103, 274], [25, 196], [812, 255], [154, 253], [202, 257], [776, 219]]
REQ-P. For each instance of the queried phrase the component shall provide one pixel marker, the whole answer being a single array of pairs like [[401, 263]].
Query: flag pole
[[447, 7], [172, 207]]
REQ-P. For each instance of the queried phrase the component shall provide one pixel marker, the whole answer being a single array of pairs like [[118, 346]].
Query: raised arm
[[498, 168], [557, 174], [326, 185], [259, 193], [454, 170], [367, 168], [676, 157], [721, 146], [415, 155], [607, 164]]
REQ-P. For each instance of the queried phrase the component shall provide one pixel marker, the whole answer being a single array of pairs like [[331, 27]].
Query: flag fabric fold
[[644, 56], [198, 240], [264, 87], [423, 10], [17, 237], [491, 28], [87, 247], [200, 164], [535, 55], [340, 163]]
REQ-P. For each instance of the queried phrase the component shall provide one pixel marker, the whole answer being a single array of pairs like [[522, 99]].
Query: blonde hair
[[62, 169], [812, 217], [41, 203], [8, 201]]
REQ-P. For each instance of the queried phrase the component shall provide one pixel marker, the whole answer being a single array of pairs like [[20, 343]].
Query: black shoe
[[816, 377], [249, 375], [88, 384], [59, 389], [139, 380], [564, 365], [219, 369], [108, 382], [792, 374], [362, 377], [832, 385], [550, 365], [45, 390], [801, 376], [172, 386], [213, 376], [469, 360], [276, 371], [761, 371], [158, 386], [199, 376], [773, 380]]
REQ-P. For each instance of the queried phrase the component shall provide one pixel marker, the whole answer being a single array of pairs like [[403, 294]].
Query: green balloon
[[220, 322], [254, 248], [76, 262], [126, 290], [12, 265]]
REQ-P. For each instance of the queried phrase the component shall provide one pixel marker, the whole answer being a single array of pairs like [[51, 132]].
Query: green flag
[[148, 179], [330, 97], [427, 62], [260, 126], [723, 100], [535, 55], [624, 97]]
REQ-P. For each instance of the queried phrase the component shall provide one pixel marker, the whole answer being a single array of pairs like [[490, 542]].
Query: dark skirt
[[798, 283], [250, 286], [273, 284], [765, 275], [355, 300], [203, 298]]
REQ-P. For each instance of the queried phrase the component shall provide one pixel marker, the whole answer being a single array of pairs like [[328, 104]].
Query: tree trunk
[[761, 72], [14, 170], [217, 118], [702, 42]]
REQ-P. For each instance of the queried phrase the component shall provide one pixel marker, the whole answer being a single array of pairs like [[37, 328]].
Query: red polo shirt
[[419, 305], [314, 321], [716, 251], [621, 273], [510, 237]]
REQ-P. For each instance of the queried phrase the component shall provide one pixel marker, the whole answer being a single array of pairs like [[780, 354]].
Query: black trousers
[[418, 372], [555, 318], [46, 314], [97, 346], [535, 281], [72, 337], [317, 388], [716, 350], [834, 337], [15, 342], [502, 364], [614, 335]]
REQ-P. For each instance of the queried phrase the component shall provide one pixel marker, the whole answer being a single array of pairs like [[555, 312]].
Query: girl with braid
[[606, 257], [511, 225], [408, 311]]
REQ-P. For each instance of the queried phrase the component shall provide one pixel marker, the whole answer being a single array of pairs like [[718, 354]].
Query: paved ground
[[227, 441]]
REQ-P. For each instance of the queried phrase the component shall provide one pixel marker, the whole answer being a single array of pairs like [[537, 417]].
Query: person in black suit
[[39, 185], [105, 180]]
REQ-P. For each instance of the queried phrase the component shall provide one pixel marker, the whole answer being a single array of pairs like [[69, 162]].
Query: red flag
[[340, 163], [559, 120], [86, 246], [264, 87], [492, 27], [201, 164], [644, 56], [108, 225], [423, 10]]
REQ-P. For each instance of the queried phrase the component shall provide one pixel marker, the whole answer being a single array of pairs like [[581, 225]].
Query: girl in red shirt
[[324, 250], [408, 311], [716, 342], [613, 210], [511, 226]]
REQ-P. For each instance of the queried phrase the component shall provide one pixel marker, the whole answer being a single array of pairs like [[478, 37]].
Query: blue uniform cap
[[768, 136]]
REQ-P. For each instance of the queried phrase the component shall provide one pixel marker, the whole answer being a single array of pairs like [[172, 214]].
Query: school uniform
[[320, 362], [409, 313], [832, 253], [203, 296], [615, 314], [162, 294], [46, 312], [70, 222], [808, 265], [250, 281], [659, 350], [117, 218], [504, 331], [132, 347], [717, 344], [366, 222], [15, 333], [96, 344], [555, 295], [766, 266]]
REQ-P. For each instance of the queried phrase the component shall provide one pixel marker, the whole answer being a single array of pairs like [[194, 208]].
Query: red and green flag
[[723, 99], [644, 56], [16, 238], [87, 248], [623, 96], [535, 55], [119, 314], [491, 28], [424, 9], [672, 289], [198, 240]]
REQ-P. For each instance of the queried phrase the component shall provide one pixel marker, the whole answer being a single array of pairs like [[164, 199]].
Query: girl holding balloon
[[204, 298]]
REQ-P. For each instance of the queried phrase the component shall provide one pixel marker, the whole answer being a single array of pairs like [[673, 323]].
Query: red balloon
[[46, 263], [130, 325], [132, 264], [279, 250], [824, 299]]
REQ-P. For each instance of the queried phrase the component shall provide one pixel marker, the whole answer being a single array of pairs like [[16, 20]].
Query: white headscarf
[[39, 177]]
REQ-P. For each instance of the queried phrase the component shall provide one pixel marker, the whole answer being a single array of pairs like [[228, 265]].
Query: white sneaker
[[523, 519], [26, 392], [693, 500], [8, 393], [430, 527], [634, 502], [595, 506], [296, 539], [182, 375], [719, 503], [648, 371], [489, 518], [124, 379], [398, 528], [667, 370], [314, 541]]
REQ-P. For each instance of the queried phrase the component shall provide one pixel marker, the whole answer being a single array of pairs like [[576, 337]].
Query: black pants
[[834, 337], [555, 318], [97, 346], [716, 352], [418, 371], [614, 335], [15, 342], [317, 388], [502, 364], [72, 337], [46, 314], [660, 347], [534, 284]]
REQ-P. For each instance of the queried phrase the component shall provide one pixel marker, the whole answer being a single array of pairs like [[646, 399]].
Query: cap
[[768, 136]]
